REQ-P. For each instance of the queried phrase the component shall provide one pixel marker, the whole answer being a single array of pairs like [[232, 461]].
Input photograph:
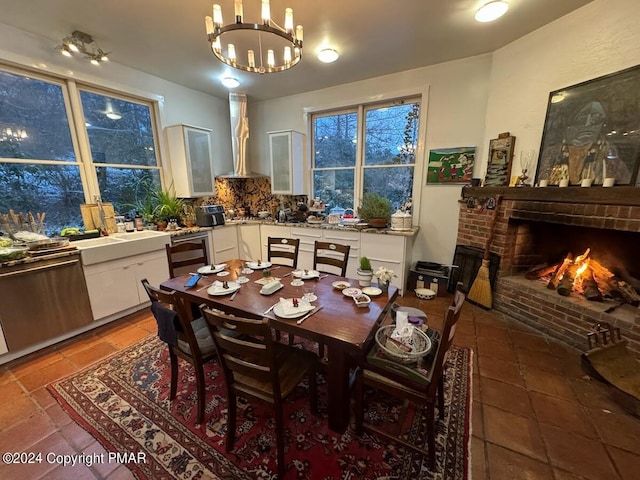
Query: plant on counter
[[167, 204], [375, 207], [384, 274], [145, 203]]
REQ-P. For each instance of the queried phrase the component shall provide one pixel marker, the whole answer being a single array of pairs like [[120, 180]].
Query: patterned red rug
[[123, 402]]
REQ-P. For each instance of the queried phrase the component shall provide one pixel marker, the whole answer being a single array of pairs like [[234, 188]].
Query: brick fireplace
[[536, 225]]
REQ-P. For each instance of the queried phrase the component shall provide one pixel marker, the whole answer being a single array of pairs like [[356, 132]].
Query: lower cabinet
[[266, 231], [225, 243], [115, 286], [346, 238], [391, 251], [249, 242]]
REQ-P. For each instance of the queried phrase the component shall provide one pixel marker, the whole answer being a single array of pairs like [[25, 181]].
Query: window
[[43, 167], [368, 148]]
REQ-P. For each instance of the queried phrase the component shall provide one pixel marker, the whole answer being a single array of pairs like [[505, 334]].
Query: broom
[[480, 292]]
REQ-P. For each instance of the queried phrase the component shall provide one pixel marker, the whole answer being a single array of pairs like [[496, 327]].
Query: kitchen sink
[[120, 245]]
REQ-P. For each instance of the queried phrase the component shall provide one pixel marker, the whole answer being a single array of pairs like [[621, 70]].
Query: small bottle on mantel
[[139, 222], [128, 225]]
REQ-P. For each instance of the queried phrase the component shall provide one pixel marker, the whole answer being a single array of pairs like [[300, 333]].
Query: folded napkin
[[307, 274], [217, 287], [287, 308]]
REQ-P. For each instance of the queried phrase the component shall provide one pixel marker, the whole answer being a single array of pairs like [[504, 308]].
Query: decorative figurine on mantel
[[526, 159]]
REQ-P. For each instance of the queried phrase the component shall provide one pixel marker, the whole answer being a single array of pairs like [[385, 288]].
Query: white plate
[[209, 269], [255, 266], [233, 286], [371, 291], [306, 276], [351, 292], [223, 274], [242, 280], [297, 283], [340, 284], [311, 298], [303, 311], [272, 291]]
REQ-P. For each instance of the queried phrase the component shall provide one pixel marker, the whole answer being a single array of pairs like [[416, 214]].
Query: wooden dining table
[[345, 329]]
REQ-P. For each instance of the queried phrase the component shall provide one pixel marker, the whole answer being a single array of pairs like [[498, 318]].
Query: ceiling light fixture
[[491, 11], [80, 42], [261, 40], [328, 55], [111, 113], [230, 82]]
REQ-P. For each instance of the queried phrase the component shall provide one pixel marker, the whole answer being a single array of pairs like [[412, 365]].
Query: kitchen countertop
[[329, 226], [60, 254]]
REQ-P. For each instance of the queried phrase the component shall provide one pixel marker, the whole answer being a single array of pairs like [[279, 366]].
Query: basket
[[421, 345]]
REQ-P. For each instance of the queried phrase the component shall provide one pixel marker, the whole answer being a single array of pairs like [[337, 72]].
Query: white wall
[[453, 110], [178, 104]]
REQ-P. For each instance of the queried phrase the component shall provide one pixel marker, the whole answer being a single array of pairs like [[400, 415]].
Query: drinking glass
[[240, 278], [309, 291]]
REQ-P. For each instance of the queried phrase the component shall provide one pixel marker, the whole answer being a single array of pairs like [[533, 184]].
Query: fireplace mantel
[[623, 195]]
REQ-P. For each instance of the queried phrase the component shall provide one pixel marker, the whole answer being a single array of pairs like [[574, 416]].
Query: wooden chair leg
[[441, 396], [280, 439], [201, 392], [173, 361], [358, 392], [231, 420], [431, 436], [321, 350]]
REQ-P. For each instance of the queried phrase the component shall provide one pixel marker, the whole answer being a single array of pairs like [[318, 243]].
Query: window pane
[[33, 120], [127, 188], [335, 140], [120, 131], [391, 134], [53, 189], [335, 187], [395, 183]]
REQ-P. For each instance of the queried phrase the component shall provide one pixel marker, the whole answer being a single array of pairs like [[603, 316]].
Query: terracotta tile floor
[[536, 416]]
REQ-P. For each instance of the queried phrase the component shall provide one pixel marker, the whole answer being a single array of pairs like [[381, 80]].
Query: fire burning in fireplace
[[586, 276]]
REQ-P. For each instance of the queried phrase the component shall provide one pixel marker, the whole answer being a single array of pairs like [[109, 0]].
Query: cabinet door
[[287, 162], [225, 243], [390, 251], [308, 238], [191, 162], [249, 242], [266, 231], [112, 288], [154, 267], [346, 238]]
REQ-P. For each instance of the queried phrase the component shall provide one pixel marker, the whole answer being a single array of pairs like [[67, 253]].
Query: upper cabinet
[[191, 162], [287, 162]]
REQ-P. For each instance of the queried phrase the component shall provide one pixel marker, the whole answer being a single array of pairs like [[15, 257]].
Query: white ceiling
[[167, 38]]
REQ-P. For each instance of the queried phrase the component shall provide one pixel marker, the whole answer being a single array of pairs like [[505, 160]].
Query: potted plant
[[365, 272], [384, 276], [375, 209], [168, 206]]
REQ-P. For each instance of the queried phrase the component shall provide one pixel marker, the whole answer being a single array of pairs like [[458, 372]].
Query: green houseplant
[[168, 206], [365, 272], [375, 209]]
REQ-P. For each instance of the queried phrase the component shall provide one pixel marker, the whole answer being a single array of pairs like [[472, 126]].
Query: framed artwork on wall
[[592, 131], [500, 159], [451, 165]]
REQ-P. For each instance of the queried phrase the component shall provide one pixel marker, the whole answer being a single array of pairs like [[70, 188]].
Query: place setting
[[219, 288], [212, 269]]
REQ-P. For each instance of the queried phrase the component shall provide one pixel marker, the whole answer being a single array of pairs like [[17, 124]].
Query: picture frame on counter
[[500, 160]]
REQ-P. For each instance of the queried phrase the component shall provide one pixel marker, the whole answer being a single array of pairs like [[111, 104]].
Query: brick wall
[[566, 318]]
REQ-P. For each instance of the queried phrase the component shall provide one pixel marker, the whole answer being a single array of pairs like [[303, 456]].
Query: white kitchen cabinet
[[308, 238], [225, 243], [191, 162], [115, 286], [249, 242], [391, 251], [346, 238], [266, 231], [287, 162]]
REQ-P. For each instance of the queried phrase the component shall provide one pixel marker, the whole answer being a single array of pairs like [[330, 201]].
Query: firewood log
[[624, 291], [557, 275], [540, 271], [590, 287]]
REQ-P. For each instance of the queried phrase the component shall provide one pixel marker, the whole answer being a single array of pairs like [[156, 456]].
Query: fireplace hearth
[[539, 226]]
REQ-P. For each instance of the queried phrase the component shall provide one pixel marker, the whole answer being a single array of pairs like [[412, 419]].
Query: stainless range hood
[[239, 138]]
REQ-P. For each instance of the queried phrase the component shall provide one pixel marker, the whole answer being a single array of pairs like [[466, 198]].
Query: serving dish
[[351, 292], [271, 287], [340, 285], [371, 291], [362, 300], [418, 345], [425, 293]]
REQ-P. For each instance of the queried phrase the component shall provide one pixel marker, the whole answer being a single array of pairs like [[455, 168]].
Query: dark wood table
[[345, 329]]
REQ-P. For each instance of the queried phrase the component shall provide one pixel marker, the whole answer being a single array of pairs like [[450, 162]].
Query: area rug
[[123, 401]]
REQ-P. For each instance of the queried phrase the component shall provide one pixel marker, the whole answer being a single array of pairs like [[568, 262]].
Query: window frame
[[360, 167]]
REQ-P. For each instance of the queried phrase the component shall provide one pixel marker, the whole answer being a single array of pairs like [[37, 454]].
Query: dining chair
[[258, 368], [332, 255], [423, 390], [185, 255], [189, 340], [285, 249]]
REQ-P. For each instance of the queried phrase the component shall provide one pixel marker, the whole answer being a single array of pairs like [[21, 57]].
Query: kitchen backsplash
[[233, 193]]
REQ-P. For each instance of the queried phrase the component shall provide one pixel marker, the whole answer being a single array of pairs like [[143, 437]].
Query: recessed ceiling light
[[328, 55], [491, 11], [230, 82]]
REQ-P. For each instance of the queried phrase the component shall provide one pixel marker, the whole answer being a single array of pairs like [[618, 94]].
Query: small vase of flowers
[[384, 276]]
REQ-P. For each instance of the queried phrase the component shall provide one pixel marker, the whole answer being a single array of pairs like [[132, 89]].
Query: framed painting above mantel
[[592, 131], [500, 159]]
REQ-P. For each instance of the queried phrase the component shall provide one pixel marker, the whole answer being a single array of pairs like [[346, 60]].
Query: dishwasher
[[42, 300], [194, 237]]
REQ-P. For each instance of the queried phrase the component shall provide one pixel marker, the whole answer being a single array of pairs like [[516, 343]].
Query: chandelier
[[269, 47], [80, 42]]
